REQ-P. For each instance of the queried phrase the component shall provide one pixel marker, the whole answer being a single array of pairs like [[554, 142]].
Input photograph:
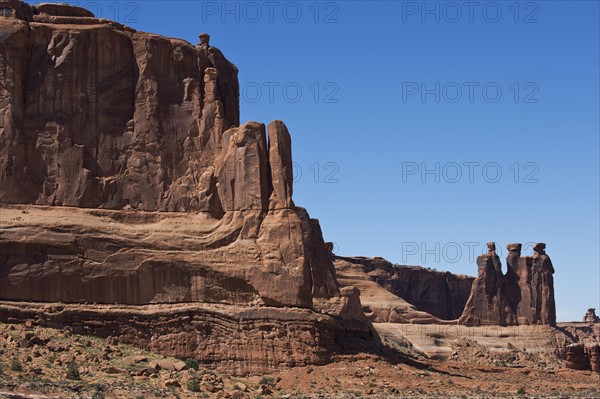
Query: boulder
[[165, 364], [172, 383]]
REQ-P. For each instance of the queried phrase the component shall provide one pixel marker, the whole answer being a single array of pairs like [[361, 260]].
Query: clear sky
[[421, 131]]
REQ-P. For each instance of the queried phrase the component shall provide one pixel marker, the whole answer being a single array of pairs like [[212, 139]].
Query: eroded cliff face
[[97, 115], [404, 294], [126, 177]]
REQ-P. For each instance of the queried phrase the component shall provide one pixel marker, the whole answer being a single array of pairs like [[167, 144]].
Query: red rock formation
[[485, 305], [98, 115], [524, 295], [442, 295], [280, 159], [542, 285], [241, 340], [184, 204], [510, 289], [577, 358], [590, 316], [593, 352]]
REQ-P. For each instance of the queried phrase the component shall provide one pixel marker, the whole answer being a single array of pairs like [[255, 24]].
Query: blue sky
[[497, 102]]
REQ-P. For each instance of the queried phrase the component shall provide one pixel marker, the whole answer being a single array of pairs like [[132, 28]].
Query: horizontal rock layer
[[81, 255], [233, 339]]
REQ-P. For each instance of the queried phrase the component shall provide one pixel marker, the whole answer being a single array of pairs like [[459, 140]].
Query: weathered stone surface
[[96, 115], [62, 10], [485, 303], [239, 339], [399, 293], [526, 346], [118, 119], [510, 289], [577, 358], [542, 286], [593, 352], [126, 178], [242, 171], [81, 255], [167, 365], [280, 159], [524, 295]]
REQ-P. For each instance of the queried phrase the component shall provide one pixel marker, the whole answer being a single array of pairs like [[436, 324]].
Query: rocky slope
[[126, 178]]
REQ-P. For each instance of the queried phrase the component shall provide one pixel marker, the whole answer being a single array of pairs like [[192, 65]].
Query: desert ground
[[35, 364]]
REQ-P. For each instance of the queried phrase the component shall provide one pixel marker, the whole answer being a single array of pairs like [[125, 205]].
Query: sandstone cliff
[[96, 115], [399, 294], [126, 178]]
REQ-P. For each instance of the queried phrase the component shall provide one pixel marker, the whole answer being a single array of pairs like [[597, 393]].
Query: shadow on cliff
[[352, 340]]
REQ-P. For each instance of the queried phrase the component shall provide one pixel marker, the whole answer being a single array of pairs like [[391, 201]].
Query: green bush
[[73, 371], [192, 364], [193, 385], [521, 391], [99, 391], [15, 365], [98, 395], [266, 381]]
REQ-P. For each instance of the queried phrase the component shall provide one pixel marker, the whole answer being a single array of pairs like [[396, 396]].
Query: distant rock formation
[[590, 316], [524, 295], [401, 294], [147, 190], [486, 304]]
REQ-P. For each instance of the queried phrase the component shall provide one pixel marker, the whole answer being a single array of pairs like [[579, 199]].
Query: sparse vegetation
[[98, 395], [73, 371], [193, 385], [136, 383], [15, 364], [192, 364], [267, 381]]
